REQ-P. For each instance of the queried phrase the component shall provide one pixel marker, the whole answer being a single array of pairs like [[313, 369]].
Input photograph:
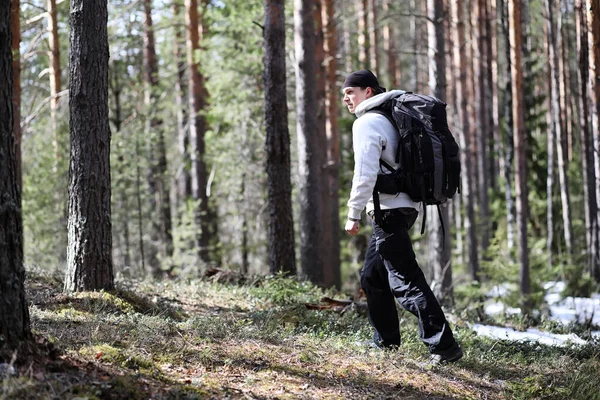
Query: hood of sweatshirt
[[376, 101]]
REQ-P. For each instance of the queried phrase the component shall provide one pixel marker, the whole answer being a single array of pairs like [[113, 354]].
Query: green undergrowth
[[201, 339]]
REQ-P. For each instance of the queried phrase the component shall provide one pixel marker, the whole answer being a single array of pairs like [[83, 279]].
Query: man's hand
[[352, 227]]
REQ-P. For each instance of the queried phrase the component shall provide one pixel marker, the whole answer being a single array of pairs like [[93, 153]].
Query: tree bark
[[310, 157], [593, 21], [363, 28], [15, 28], [587, 158], [373, 37], [462, 99], [389, 46], [439, 243], [162, 222], [89, 263], [281, 223], [522, 205], [14, 314], [55, 81], [509, 145], [492, 86], [184, 181], [333, 141], [482, 133], [198, 128]]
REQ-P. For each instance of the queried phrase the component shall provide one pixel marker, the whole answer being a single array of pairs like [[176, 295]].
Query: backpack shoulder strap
[[385, 114]]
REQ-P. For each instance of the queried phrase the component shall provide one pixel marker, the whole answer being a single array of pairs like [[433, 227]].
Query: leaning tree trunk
[[333, 142], [279, 186], [89, 263], [15, 28], [514, 12], [439, 242], [310, 150], [593, 23], [587, 158], [198, 128], [14, 314]]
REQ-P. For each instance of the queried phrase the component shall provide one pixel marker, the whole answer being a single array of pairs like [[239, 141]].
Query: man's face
[[353, 96]]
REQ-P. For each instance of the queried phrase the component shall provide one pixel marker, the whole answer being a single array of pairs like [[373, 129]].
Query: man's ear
[[369, 91]]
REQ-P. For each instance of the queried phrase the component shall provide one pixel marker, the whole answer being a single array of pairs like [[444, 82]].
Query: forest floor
[[202, 339]]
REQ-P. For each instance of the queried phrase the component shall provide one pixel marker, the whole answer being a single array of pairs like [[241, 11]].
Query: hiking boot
[[450, 355]]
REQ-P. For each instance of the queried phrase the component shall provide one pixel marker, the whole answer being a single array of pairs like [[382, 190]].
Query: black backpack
[[427, 152]]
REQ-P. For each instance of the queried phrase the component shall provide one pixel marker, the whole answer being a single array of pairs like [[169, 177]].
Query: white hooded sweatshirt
[[373, 137]]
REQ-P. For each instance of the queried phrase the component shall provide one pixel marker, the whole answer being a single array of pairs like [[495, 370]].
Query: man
[[390, 270]]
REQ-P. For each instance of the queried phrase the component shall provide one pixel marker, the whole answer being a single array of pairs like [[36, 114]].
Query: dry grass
[[188, 340]]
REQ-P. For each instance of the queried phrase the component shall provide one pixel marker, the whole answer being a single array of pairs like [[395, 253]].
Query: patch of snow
[[564, 310], [531, 335]]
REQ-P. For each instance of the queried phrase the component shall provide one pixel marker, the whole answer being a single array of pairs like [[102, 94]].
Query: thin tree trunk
[[15, 29], [310, 158], [389, 46], [514, 12], [439, 243], [54, 72], [198, 127], [373, 37], [333, 140], [281, 224], [509, 147], [14, 313], [462, 99], [593, 21], [89, 263], [414, 34], [492, 85], [184, 182], [363, 28], [347, 11], [587, 157], [162, 223], [481, 134]]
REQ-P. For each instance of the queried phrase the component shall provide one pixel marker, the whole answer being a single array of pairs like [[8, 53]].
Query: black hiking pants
[[391, 273]]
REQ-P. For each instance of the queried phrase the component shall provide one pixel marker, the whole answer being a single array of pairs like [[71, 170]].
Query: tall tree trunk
[[15, 29], [347, 14], [14, 313], [363, 31], [509, 145], [162, 223], [462, 99], [281, 224], [389, 46], [198, 127], [593, 21], [414, 34], [310, 157], [333, 141], [321, 116], [492, 91], [439, 243], [561, 124], [514, 12], [587, 158], [89, 263], [54, 72], [481, 106], [373, 37], [184, 181]]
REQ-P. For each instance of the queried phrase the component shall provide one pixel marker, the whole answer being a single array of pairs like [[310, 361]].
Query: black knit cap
[[363, 78]]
